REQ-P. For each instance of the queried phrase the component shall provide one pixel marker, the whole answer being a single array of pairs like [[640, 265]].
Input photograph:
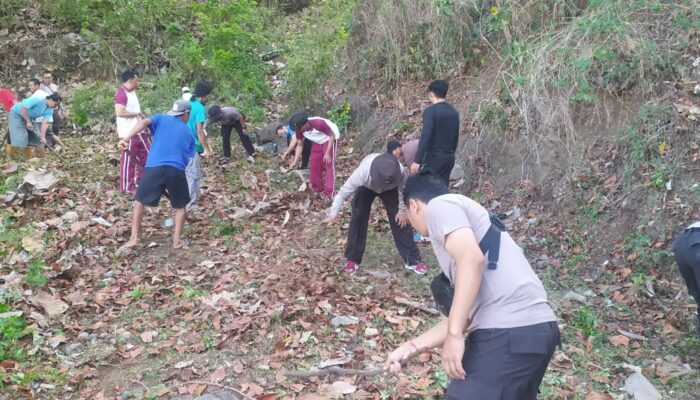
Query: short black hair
[[201, 89], [439, 88], [392, 145], [214, 111], [54, 97], [35, 81], [424, 186], [128, 74], [46, 71], [279, 127]]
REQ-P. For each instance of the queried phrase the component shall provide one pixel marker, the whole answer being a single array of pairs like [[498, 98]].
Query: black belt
[[491, 242], [695, 229]]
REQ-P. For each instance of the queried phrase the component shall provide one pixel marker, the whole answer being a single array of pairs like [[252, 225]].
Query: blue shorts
[[20, 136]]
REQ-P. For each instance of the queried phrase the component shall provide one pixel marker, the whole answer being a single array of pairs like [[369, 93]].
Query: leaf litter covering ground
[[258, 292]]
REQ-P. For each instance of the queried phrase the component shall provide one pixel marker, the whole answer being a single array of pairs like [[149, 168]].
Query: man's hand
[[402, 219], [414, 168], [327, 158], [452, 352], [122, 144], [42, 139], [393, 362], [207, 152], [330, 220], [30, 126]]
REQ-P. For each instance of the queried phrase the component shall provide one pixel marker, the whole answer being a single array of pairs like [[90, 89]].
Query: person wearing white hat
[[186, 95]]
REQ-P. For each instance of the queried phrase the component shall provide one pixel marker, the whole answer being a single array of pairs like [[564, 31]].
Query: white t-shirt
[[130, 101]]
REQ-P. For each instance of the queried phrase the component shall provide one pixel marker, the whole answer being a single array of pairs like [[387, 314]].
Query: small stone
[[109, 274], [74, 348], [570, 295], [83, 336], [126, 335], [457, 173], [371, 332], [70, 216], [344, 320]]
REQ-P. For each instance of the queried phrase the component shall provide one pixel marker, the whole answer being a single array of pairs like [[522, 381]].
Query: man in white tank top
[[128, 113]]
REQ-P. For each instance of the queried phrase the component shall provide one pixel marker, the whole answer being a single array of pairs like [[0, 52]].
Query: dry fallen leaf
[[148, 336], [596, 395], [218, 375], [619, 340], [53, 306], [32, 244]]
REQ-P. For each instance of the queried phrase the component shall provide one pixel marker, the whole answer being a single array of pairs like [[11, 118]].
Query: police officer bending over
[[489, 293]]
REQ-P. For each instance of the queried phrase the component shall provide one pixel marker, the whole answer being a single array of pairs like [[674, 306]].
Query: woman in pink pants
[[324, 135]]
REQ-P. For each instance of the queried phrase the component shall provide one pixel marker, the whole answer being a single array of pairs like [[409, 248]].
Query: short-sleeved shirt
[[198, 115], [130, 101], [36, 108], [172, 144], [511, 295], [40, 93], [7, 98], [319, 130], [50, 88], [227, 116]]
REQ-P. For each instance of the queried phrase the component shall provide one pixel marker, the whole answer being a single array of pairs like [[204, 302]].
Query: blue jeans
[[20, 136]]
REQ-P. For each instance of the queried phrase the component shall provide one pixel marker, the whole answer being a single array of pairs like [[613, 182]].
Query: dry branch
[[416, 305], [337, 371]]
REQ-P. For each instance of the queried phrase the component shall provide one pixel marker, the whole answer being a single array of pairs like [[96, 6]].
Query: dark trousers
[[441, 164], [359, 222], [686, 248], [505, 364], [305, 152], [56, 126], [226, 139]]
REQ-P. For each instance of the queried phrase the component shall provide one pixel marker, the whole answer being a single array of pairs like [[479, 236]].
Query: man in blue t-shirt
[[21, 120], [172, 148], [198, 117]]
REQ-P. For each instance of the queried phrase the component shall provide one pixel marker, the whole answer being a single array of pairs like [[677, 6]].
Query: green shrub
[[340, 115], [313, 52], [95, 101], [12, 329]]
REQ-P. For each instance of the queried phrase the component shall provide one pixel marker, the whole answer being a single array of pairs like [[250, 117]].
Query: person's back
[[172, 145], [7, 98], [445, 135], [439, 135]]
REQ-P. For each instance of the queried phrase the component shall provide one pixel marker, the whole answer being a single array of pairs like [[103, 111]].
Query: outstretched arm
[[139, 127]]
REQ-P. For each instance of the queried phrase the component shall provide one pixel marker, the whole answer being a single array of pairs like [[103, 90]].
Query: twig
[[337, 371], [238, 392], [416, 305], [632, 335], [142, 384]]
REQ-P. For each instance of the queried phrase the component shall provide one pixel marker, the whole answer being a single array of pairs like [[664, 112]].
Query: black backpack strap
[[491, 242]]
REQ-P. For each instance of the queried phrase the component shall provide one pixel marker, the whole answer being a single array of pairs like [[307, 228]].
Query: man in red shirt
[[324, 135], [8, 99]]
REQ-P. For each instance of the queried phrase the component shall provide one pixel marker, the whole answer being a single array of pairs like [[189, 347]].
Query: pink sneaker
[[420, 268], [350, 267]]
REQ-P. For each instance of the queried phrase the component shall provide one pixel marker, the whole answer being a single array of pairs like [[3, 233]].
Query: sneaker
[[420, 268], [350, 267], [251, 159]]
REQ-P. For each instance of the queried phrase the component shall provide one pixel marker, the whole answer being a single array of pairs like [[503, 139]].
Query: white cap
[[185, 89]]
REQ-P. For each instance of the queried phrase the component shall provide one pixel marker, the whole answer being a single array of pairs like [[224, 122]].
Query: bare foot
[[181, 244]]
